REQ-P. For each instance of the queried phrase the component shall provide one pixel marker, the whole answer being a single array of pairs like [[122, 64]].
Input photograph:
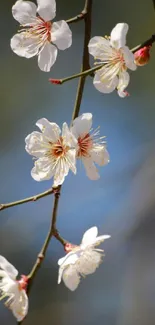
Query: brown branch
[[85, 66], [146, 43], [28, 199]]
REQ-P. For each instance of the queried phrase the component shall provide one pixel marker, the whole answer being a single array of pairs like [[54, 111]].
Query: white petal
[[124, 79], [129, 58], [100, 48], [50, 130], [91, 169], [61, 35], [61, 171], [98, 240], [71, 159], [47, 57], [82, 124], [36, 144], [20, 306], [24, 11], [8, 268], [68, 136], [70, 258], [105, 86], [24, 46], [118, 35], [43, 169], [89, 236], [89, 262], [71, 277], [46, 9], [100, 155]]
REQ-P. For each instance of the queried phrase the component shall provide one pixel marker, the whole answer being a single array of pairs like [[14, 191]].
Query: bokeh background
[[121, 203]]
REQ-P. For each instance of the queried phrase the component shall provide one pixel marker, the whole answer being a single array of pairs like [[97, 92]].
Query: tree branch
[[146, 43], [29, 199], [85, 66]]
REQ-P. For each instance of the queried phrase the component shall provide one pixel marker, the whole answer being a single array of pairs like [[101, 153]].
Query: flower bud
[[69, 247], [142, 56]]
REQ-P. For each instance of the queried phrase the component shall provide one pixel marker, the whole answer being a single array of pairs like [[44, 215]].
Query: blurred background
[[121, 203]]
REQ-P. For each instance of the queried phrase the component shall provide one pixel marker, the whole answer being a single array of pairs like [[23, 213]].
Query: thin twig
[[53, 230], [28, 199], [80, 74], [146, 43]]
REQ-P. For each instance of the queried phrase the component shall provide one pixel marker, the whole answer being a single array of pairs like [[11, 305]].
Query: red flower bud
[[55, 81], [142, 56]]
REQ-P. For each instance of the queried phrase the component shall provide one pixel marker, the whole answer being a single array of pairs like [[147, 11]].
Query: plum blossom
[[90, 147], [39, 35], [81, 260], [116, 58], [14, 290], [55, 153]]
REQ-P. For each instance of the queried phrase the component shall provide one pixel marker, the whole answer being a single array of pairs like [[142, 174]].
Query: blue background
[[121, 203]]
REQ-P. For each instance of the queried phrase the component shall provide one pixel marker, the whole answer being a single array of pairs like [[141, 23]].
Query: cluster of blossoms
[[41, 36], [79, 261], [56, 151]]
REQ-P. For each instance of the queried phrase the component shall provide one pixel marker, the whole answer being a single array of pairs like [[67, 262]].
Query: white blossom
[[116, 58], [90, 147], [12, 289], [81, 260], [39, 35], [55, 153]]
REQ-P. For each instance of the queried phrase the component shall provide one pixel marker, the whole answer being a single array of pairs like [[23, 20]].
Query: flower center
[[59, 149], [85, 144], [38, 29], [23, 282]]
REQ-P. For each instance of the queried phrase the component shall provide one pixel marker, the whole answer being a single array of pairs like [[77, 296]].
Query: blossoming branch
[[56, 151]]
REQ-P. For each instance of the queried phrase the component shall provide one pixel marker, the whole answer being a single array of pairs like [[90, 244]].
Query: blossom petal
[[129, 58], [100, 155], [47, 57], [91, 169], [68, 136], [105, 86], [82, 124], [124, 79], [24, 11], [8, 268], [71, 159], [46, 9], [89, 262], [50, 130], [61, 35], [89, 236], [24, 46], [20, 306], [98, 240], [43, 169], [118, 35], [61, 171], [100, 48], [36, 144], [71, 277], [70, 258]]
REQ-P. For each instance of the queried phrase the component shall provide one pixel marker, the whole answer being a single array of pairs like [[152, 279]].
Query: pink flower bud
[[23, 282], [69, 247], [142, 56]]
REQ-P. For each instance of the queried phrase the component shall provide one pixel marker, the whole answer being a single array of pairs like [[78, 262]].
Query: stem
[[146, 43], [80, 16], [85, 59], [74, 76], [29, 199], [85, 66]]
